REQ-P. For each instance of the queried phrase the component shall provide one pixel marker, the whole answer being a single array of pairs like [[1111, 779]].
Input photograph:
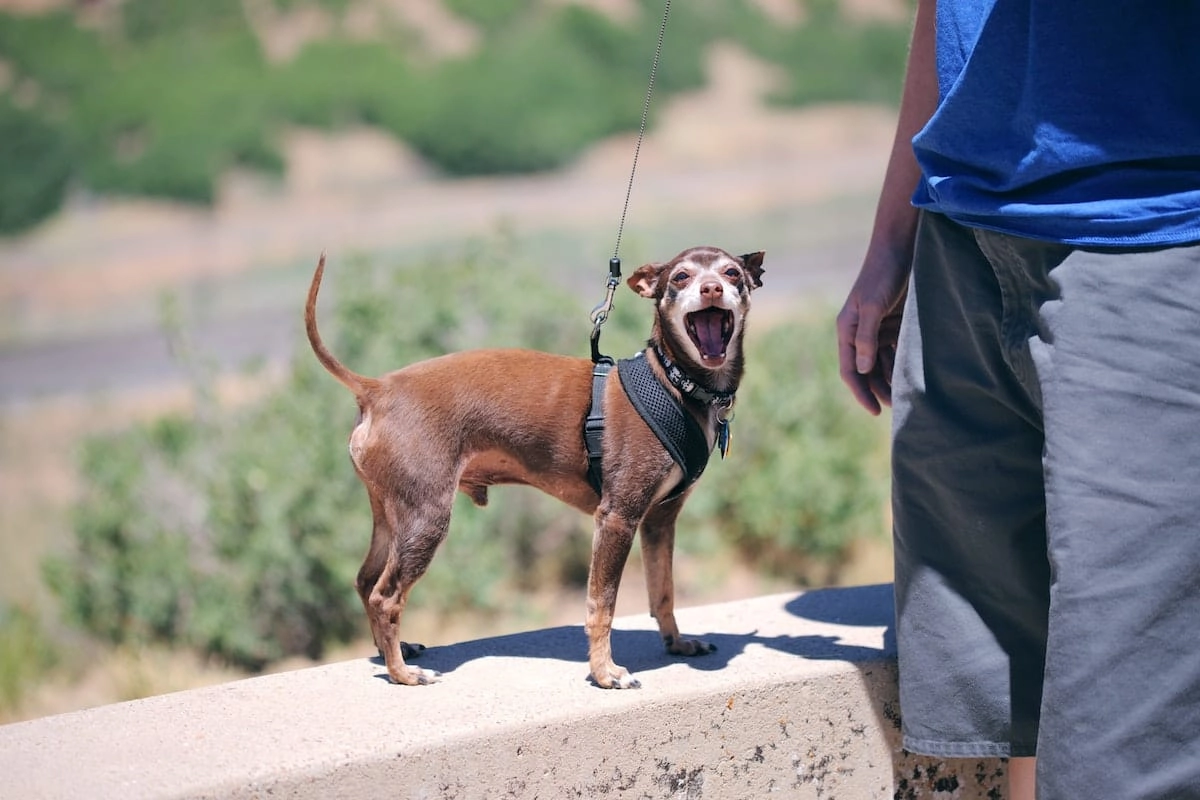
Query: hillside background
[[168, 176]]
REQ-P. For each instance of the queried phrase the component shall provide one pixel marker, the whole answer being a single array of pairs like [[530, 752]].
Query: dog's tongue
[[709, 332]]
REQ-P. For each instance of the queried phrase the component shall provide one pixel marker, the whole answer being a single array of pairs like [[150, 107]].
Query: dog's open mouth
[[710, 330]]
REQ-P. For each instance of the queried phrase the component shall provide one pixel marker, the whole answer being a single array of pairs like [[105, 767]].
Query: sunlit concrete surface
[[799, 701]]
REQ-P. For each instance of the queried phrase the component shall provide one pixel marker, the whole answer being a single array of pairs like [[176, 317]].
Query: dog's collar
[[688, 387]]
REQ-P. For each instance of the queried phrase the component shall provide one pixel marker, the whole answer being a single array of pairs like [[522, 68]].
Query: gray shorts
[[1046, 497]]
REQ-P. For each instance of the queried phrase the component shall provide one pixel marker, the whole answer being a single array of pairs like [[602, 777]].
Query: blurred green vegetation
[[179, 90], [238, 531], [25, 653], [812, 474]]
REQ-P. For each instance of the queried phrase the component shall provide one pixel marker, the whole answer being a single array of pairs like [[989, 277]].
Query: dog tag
[[723, 437]]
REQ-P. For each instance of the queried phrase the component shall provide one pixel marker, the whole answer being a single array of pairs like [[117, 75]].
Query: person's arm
[[869, 322]]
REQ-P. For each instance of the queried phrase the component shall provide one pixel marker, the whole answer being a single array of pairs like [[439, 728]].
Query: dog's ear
[[752, 263], [644, 280]]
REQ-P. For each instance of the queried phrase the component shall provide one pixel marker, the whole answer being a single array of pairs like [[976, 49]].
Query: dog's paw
[[427, 676], [615, 677], [677, 646], [414, 676]]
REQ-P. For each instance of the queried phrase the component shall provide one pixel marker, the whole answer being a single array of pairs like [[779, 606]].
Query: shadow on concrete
[[642, 650], [637, 651], [869, 606]]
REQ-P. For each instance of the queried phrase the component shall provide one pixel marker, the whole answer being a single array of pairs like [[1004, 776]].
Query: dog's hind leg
[[658, 546], [369, 574], [412, 537], [372, 567]]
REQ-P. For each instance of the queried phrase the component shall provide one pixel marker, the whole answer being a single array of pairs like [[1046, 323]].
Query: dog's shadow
[[642, 651]]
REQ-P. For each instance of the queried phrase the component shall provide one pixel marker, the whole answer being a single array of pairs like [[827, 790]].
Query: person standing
[[1029, 305]]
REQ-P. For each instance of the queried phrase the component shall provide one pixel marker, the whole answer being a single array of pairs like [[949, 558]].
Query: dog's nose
[[711, 289]]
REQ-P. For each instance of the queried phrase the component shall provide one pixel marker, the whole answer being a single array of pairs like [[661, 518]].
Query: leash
[[593, 433], [601, 311]]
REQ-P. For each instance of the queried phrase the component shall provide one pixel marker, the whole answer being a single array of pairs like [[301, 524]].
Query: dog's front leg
[[611, 543], [658, 546]]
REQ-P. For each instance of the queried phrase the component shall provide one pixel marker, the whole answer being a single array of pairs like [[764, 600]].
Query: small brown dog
[[479, 418]]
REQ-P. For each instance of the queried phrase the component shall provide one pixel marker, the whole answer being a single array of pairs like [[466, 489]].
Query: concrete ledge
[[798, 701]]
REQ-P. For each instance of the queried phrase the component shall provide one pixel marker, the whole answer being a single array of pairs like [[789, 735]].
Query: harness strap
[[678, 431], [593, 428]]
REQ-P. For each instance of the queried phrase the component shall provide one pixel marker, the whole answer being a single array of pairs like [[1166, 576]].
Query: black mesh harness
[[678, 431]]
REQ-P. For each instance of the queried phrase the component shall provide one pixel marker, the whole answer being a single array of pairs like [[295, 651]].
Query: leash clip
[[600, 313]]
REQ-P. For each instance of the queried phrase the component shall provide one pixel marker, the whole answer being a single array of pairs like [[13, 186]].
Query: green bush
[[184, 100], [178, 20], [335, 83], [61, 58], [35, 165], [534, 101], [830, 59], [491, 15]]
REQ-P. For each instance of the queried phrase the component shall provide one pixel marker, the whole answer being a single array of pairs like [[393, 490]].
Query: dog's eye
[[733, 272], [680, 278]]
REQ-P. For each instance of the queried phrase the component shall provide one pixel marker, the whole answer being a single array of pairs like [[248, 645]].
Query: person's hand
[[868, 327]]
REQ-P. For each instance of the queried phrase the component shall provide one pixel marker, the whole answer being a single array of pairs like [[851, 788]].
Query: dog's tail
[[350, 379]]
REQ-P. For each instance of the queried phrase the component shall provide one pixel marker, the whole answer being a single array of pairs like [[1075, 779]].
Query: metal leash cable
[[600, 312]]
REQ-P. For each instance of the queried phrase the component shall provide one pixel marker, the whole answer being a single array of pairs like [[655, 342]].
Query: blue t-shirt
[[1068, 120]]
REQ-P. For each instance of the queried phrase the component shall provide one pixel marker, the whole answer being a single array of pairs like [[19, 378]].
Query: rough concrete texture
[[799, 701]]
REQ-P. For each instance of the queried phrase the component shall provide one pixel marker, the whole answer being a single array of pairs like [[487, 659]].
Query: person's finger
[[858, 383], [847, 330], [866, 337]]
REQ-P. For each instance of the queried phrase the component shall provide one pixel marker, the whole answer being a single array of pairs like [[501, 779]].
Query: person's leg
[[972, 578], [1118, 361], [1022, 779]]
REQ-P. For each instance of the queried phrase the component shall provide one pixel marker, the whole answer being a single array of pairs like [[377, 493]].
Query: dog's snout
[[711, 290]]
